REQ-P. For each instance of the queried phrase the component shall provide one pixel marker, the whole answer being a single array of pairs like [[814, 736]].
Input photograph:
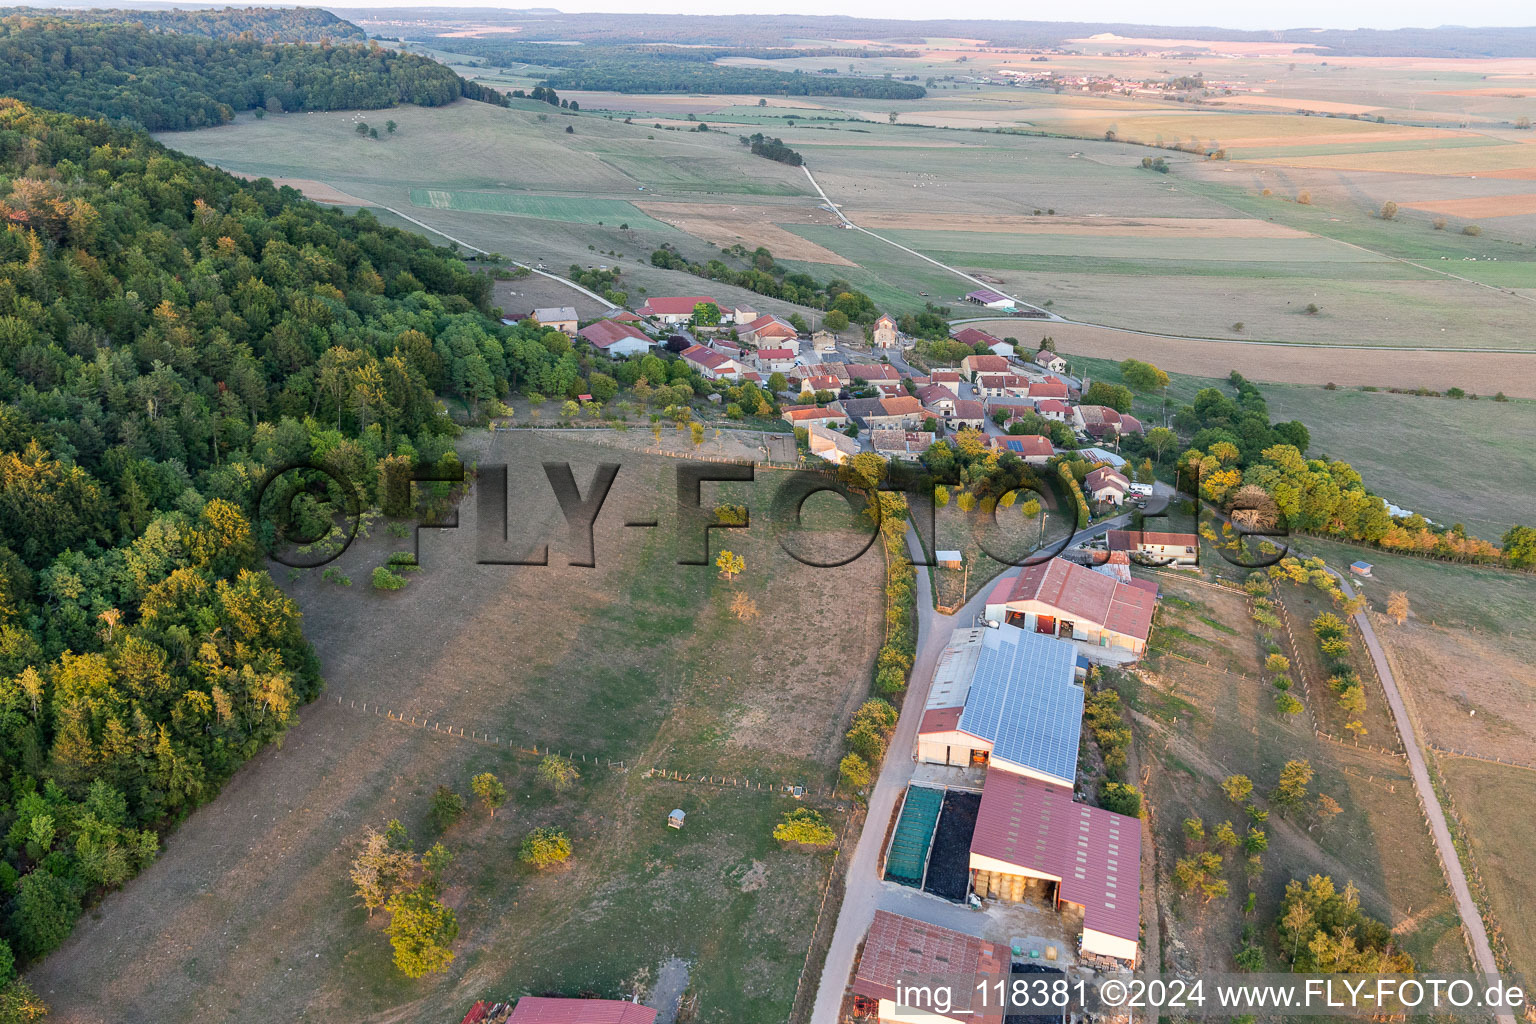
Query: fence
[[1528, 766]]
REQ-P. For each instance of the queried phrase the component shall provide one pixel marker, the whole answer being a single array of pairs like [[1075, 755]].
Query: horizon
[[1311, 15]]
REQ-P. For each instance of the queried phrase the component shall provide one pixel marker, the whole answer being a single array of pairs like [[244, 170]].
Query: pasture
[[1482, 795], [248, 911]]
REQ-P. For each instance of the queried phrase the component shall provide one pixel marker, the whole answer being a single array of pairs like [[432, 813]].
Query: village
[[995, 866]]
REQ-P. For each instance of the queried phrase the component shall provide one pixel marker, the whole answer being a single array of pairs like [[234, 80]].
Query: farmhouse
[[937, 399], [1000, 385], [561, 318], [831, 445], [1050, 387], [1059, 598], [743, 315], [712, 364], [974, 336], [1052, 409], [859, 410], [770, 360], [1160, 548], [904, 413], [616, 339], [1034, 449], [1106, 484], [1101, 421], [1007, 698], [883, 334], [901, 444], [1030, 829], [973, 366], [989, 298], [873, 372], [946, 379], [767, 329], [823, 342], [905, 956], [805, 415], [549, 1010], [1050, 360], [968, 413], [817, 382], [673, 309]]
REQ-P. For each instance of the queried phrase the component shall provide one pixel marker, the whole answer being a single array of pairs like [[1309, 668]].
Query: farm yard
[[248, 909]]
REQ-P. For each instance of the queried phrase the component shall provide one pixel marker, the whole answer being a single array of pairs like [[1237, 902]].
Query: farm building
[[883, 333], [901, 444], [742, 315], [1028, 829], [1062, 599], [767, 329], [1053, 409], [1002, 385], [550, 1010], [1007, 698], [949, 379], [805, 415], [974, 336], [948, 558], [830, 445], [560, 318], [973, 366], [900, 413], [673, 309], [1034, 449], [1050, 387], [1106, 484], [902, 955], [713, 365], [1160, 548], [989, 298], [1102, 455], [770, 360], [823, 342], [616, 339]]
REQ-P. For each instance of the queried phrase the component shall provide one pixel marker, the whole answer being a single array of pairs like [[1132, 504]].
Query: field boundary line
[[1485, 758]]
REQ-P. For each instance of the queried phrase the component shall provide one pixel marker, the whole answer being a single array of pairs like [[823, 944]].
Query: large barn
[[1063, 599]]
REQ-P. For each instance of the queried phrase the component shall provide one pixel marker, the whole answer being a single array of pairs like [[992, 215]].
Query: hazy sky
[[1223, 13]]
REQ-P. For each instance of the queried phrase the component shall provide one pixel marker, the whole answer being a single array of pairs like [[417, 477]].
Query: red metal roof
[[900, 950], [1131, 540], [1081, 593], [477, 1013], [605, 332], [1095, 853], [673, 305], [940, 720], [545, 1010], [975, 336]]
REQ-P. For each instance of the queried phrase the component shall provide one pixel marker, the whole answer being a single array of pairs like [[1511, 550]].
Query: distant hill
[[773, 30], [164, 80], [264, 24]]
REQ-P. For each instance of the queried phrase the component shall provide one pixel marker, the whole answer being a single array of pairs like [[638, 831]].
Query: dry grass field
[[247, 913], [750, 226], [1196, 724], [1483, 795]]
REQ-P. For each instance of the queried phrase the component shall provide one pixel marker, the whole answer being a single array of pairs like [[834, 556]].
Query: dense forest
[[653, 69], [266, 24], [164, 81], [766, 276], [168, 335]]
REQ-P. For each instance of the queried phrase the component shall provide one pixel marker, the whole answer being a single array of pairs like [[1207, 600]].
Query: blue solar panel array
[[1025, 700]]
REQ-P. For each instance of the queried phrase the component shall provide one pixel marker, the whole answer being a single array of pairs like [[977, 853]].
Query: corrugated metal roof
[[1084, 594], [900, 950], [1024, 698], [546, 1010], [1095, 853]]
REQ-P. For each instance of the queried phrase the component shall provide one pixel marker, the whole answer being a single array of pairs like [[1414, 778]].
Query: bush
[[385, 579], [1327, 626], [1120, 797], [447, 808], [1286, 704], [804, 826], [558, 773], [545, 847], [855, 771]]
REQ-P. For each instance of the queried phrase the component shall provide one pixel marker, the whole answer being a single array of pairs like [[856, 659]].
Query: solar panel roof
[[1025, 700]]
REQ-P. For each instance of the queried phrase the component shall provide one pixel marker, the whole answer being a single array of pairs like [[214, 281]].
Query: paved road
[[865, 887], [1470, 917]]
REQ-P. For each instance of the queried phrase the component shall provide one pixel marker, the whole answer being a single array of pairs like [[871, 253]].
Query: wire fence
[[1486, 758]]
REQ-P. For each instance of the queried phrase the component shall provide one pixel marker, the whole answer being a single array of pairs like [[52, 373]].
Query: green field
[[558, 208]]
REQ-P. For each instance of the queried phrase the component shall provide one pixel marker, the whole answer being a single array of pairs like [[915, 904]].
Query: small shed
[[948, 559], [675, 819], [1360, 568]]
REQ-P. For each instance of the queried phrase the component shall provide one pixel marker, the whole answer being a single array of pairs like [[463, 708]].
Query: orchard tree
[[558, 773], [545, 847], [490, 791]]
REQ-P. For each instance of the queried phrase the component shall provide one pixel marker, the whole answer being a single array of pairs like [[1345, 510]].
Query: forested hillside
[[168, 335], [166, 81], [267, 24]]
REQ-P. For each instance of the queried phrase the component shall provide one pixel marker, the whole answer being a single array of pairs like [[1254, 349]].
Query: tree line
[[767, 277], [166, 81], [266, 24], [169, 335]]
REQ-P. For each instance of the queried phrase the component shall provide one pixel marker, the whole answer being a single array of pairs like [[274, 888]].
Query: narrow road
[[862, 895], [1470, 917]]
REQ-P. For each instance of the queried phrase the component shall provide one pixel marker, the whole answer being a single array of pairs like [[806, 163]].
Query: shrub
[[384, 579], [1277, 663], [447, 808], [1287, 704], [1327, 625], [1120, 797], [804, 826], [855, 771], [545, 847], [1335, 647], [558, 773]]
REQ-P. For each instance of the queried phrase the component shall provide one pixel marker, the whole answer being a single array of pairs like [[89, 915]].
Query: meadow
[[638, 663]]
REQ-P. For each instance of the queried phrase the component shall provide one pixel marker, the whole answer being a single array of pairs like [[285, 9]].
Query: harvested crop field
[[1108, 227], [750, 226], [1481, 206], [319, 191], [1482, 372], [1483, 795]]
